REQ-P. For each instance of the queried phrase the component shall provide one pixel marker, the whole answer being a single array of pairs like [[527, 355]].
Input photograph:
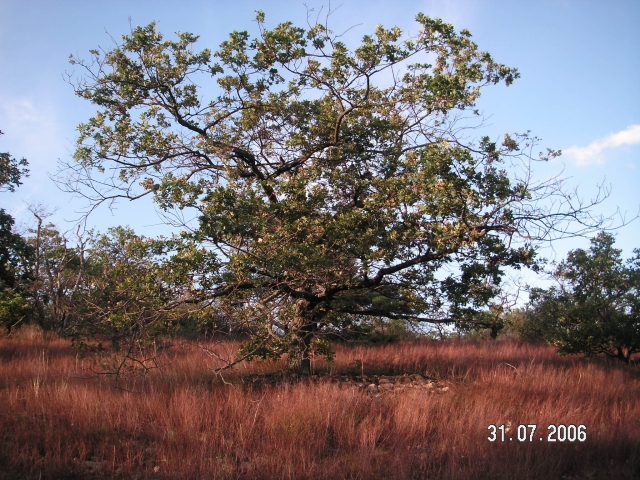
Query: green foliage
[[261, 346], [57, 271], [130, 294], [519, 324], [373, 330], [14, 307], [328, 183], [258, 347], [15, 253], [11, 171], [118, 289], [129, 290], [595, 307]]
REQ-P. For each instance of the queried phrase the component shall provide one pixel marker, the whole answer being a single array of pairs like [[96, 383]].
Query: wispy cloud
[[31, 130], [593, 153]]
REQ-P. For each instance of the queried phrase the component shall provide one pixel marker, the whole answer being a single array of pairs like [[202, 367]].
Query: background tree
[[57, 273], [15, 274], [15, 253], [595, 308], [328, 182], [133, 292]]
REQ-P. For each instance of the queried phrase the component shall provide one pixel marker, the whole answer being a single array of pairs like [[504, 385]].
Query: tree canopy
[[329, 184]]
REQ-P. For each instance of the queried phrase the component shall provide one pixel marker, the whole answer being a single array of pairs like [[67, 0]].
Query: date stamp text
[[531, 433]]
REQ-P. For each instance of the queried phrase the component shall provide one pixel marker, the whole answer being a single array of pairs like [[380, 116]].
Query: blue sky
[[579, 88]]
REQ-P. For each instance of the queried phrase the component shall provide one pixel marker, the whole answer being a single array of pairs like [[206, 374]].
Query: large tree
[[595, 307], [331, 184]]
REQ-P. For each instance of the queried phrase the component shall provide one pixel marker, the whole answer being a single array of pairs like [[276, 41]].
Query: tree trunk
[[298, 360], [625, 356], [303, 331], [494, 331]]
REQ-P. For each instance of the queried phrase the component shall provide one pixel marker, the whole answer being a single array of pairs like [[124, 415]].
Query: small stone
[[92, 465], [372, 388]]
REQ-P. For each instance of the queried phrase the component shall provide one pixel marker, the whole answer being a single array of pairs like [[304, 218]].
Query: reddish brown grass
[[60, 420]]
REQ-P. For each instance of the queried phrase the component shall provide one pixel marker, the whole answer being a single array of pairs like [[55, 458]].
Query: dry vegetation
[[61, 420]]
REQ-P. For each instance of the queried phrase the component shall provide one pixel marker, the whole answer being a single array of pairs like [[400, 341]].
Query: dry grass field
[[61, 420]]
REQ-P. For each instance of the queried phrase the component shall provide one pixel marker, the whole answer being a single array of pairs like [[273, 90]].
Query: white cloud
[[593, 153], [31, 130]]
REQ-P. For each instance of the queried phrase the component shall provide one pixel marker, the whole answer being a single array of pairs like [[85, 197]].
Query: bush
[[594, 307]]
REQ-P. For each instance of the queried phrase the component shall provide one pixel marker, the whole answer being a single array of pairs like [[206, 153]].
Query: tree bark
[[303, 327], [298, 360]]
